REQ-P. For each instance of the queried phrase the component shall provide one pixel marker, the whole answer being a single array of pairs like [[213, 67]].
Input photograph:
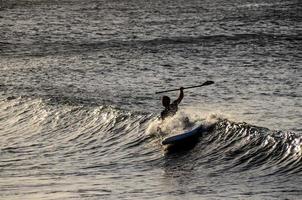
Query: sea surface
[[79, 113]]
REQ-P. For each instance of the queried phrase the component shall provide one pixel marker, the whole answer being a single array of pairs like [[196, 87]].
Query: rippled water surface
[[78, 110]]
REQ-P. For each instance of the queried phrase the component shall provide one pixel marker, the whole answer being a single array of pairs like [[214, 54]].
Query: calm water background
[[77, 84]]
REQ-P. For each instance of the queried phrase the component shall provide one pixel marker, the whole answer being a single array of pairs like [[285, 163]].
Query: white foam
[[179, 122]]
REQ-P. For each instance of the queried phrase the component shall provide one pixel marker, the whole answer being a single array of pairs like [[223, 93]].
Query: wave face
[[76, 151]]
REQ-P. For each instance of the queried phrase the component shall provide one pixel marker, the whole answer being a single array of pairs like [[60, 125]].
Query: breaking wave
[[40, 134]]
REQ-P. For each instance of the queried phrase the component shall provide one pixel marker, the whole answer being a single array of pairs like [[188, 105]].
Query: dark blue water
[[79, 112]]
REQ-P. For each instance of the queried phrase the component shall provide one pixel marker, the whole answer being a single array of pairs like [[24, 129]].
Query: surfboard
[[195, 132]]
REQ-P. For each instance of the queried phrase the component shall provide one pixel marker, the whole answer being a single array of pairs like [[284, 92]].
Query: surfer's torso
[[169, 111]]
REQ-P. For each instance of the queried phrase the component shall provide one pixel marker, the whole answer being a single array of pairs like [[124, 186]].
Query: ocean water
[[79, 113]]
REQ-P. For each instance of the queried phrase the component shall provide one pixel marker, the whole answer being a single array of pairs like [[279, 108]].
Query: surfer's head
[[166, 101]]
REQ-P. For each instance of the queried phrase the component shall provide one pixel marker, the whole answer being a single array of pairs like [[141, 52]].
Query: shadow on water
[[183, 147], [181, 171]]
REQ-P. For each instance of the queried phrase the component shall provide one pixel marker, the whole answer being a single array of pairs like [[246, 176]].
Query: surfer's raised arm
[[180, 97]]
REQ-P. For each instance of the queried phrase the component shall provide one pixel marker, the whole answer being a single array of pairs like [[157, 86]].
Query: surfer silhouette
[[171, 109]]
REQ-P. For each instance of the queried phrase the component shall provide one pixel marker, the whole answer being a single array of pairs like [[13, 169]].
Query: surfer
[[171, 109]]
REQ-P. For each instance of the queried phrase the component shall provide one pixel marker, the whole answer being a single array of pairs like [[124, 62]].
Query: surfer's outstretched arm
[[180, 97]]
